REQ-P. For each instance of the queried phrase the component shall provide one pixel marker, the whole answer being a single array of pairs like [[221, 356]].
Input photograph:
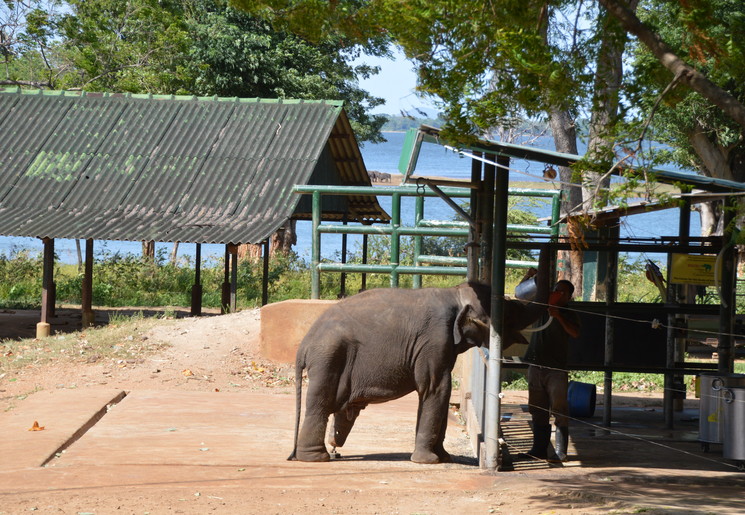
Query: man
[[548, 378]]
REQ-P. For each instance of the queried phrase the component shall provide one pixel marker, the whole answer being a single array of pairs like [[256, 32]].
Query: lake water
[[383, 157]]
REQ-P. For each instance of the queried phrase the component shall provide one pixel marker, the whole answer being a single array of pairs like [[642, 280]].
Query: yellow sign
[[688, 269]]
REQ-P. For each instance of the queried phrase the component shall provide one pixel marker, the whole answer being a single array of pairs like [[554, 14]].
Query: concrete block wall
[[284, 324]]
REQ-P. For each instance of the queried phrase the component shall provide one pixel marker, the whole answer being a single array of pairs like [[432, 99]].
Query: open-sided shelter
[[165, 168], [491, 163]]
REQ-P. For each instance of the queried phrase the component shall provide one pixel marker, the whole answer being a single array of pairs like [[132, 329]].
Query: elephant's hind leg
[[311, 445]]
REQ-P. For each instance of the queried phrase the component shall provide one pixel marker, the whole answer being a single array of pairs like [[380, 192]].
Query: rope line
[[664, 388], [656, 324]]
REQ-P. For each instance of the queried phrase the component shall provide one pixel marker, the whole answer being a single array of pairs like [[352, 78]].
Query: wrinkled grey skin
[[411, 344]]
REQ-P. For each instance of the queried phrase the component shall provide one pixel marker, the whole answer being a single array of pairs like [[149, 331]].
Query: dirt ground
[[214, 353]]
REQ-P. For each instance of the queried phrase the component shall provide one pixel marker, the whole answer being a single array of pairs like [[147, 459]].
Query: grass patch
[[123, 339], [622, 381]]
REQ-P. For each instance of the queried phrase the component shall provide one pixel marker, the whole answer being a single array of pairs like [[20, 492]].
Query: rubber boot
[[561, 444], [541, 439]]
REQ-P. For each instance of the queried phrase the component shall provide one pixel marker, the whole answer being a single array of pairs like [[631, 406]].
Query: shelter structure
[[170, 169], [489, 178]]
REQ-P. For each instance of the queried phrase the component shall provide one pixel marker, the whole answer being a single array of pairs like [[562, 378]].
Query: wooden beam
[[88, 317]]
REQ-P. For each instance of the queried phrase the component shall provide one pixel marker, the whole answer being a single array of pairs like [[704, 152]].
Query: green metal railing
[[436, 265]]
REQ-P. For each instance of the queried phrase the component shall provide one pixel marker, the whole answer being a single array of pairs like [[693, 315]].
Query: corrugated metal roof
[[136, 167]]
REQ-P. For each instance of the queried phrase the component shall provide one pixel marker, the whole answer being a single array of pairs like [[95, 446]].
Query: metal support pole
[[474, 244], [674, 296], [343, 279], [395, 238], [88, 318], [610, 299], [492, 412], [363, 286], [315, 252], [728, 267], [418, 217], [487, 213]]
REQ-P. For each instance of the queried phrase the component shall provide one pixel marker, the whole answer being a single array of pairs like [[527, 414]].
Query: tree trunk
[[80, 255], [710, 214], [281, 241], [603, 119], [564, 132], [174, 253], [148, 250], [249, 251]]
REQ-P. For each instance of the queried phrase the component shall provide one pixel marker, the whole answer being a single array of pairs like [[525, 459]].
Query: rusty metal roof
[[165, 168]]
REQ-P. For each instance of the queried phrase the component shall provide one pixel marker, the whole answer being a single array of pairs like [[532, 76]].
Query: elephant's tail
[[299, 367]]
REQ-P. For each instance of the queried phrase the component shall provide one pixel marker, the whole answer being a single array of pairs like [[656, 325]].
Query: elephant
[[411, 345]]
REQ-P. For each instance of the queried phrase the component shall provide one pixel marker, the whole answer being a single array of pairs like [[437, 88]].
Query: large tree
[[697, 135], [495, 62], [489, 61]]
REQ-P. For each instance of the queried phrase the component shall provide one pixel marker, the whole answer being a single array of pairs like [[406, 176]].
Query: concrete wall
[[284, 324]]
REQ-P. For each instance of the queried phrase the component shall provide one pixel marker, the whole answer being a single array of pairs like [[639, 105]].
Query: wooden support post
[[234, 278], [43, 328], [86, 294], [196, 289], [225, 298], [265, 279]]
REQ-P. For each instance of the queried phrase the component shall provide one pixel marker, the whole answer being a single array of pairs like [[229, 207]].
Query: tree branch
[[34, 84], [694, 79]]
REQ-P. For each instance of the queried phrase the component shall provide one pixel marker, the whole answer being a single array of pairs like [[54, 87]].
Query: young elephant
[[382, 344]]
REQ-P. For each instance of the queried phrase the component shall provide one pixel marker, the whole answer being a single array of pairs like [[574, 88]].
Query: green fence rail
[[423, 264]]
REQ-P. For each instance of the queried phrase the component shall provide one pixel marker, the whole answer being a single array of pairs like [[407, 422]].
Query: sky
[[396, 83]]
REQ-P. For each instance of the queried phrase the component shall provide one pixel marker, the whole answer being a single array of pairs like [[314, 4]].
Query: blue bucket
[[581, 397]]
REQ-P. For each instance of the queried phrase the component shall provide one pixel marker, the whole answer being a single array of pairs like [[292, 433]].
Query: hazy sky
[[395, 83]]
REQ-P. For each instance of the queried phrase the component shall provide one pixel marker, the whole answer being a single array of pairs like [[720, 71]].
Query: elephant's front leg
[[431, 425]]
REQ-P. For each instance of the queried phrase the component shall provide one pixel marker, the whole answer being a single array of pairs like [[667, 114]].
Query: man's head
[[562, 293]]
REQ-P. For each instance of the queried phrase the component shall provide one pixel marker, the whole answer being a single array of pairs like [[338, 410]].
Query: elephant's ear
[[468, 330]]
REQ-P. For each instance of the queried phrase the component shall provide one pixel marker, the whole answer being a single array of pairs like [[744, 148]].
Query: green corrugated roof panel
[[137, 167]]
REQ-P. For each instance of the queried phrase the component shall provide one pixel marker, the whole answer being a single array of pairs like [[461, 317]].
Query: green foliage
[[137, 46], [234, 54], [183, 47], [128, 280], [633, 285], [487, 65], [708, 34], [20, 280]]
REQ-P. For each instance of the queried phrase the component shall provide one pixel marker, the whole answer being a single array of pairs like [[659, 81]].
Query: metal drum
[[733, 395], [711, 410]]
